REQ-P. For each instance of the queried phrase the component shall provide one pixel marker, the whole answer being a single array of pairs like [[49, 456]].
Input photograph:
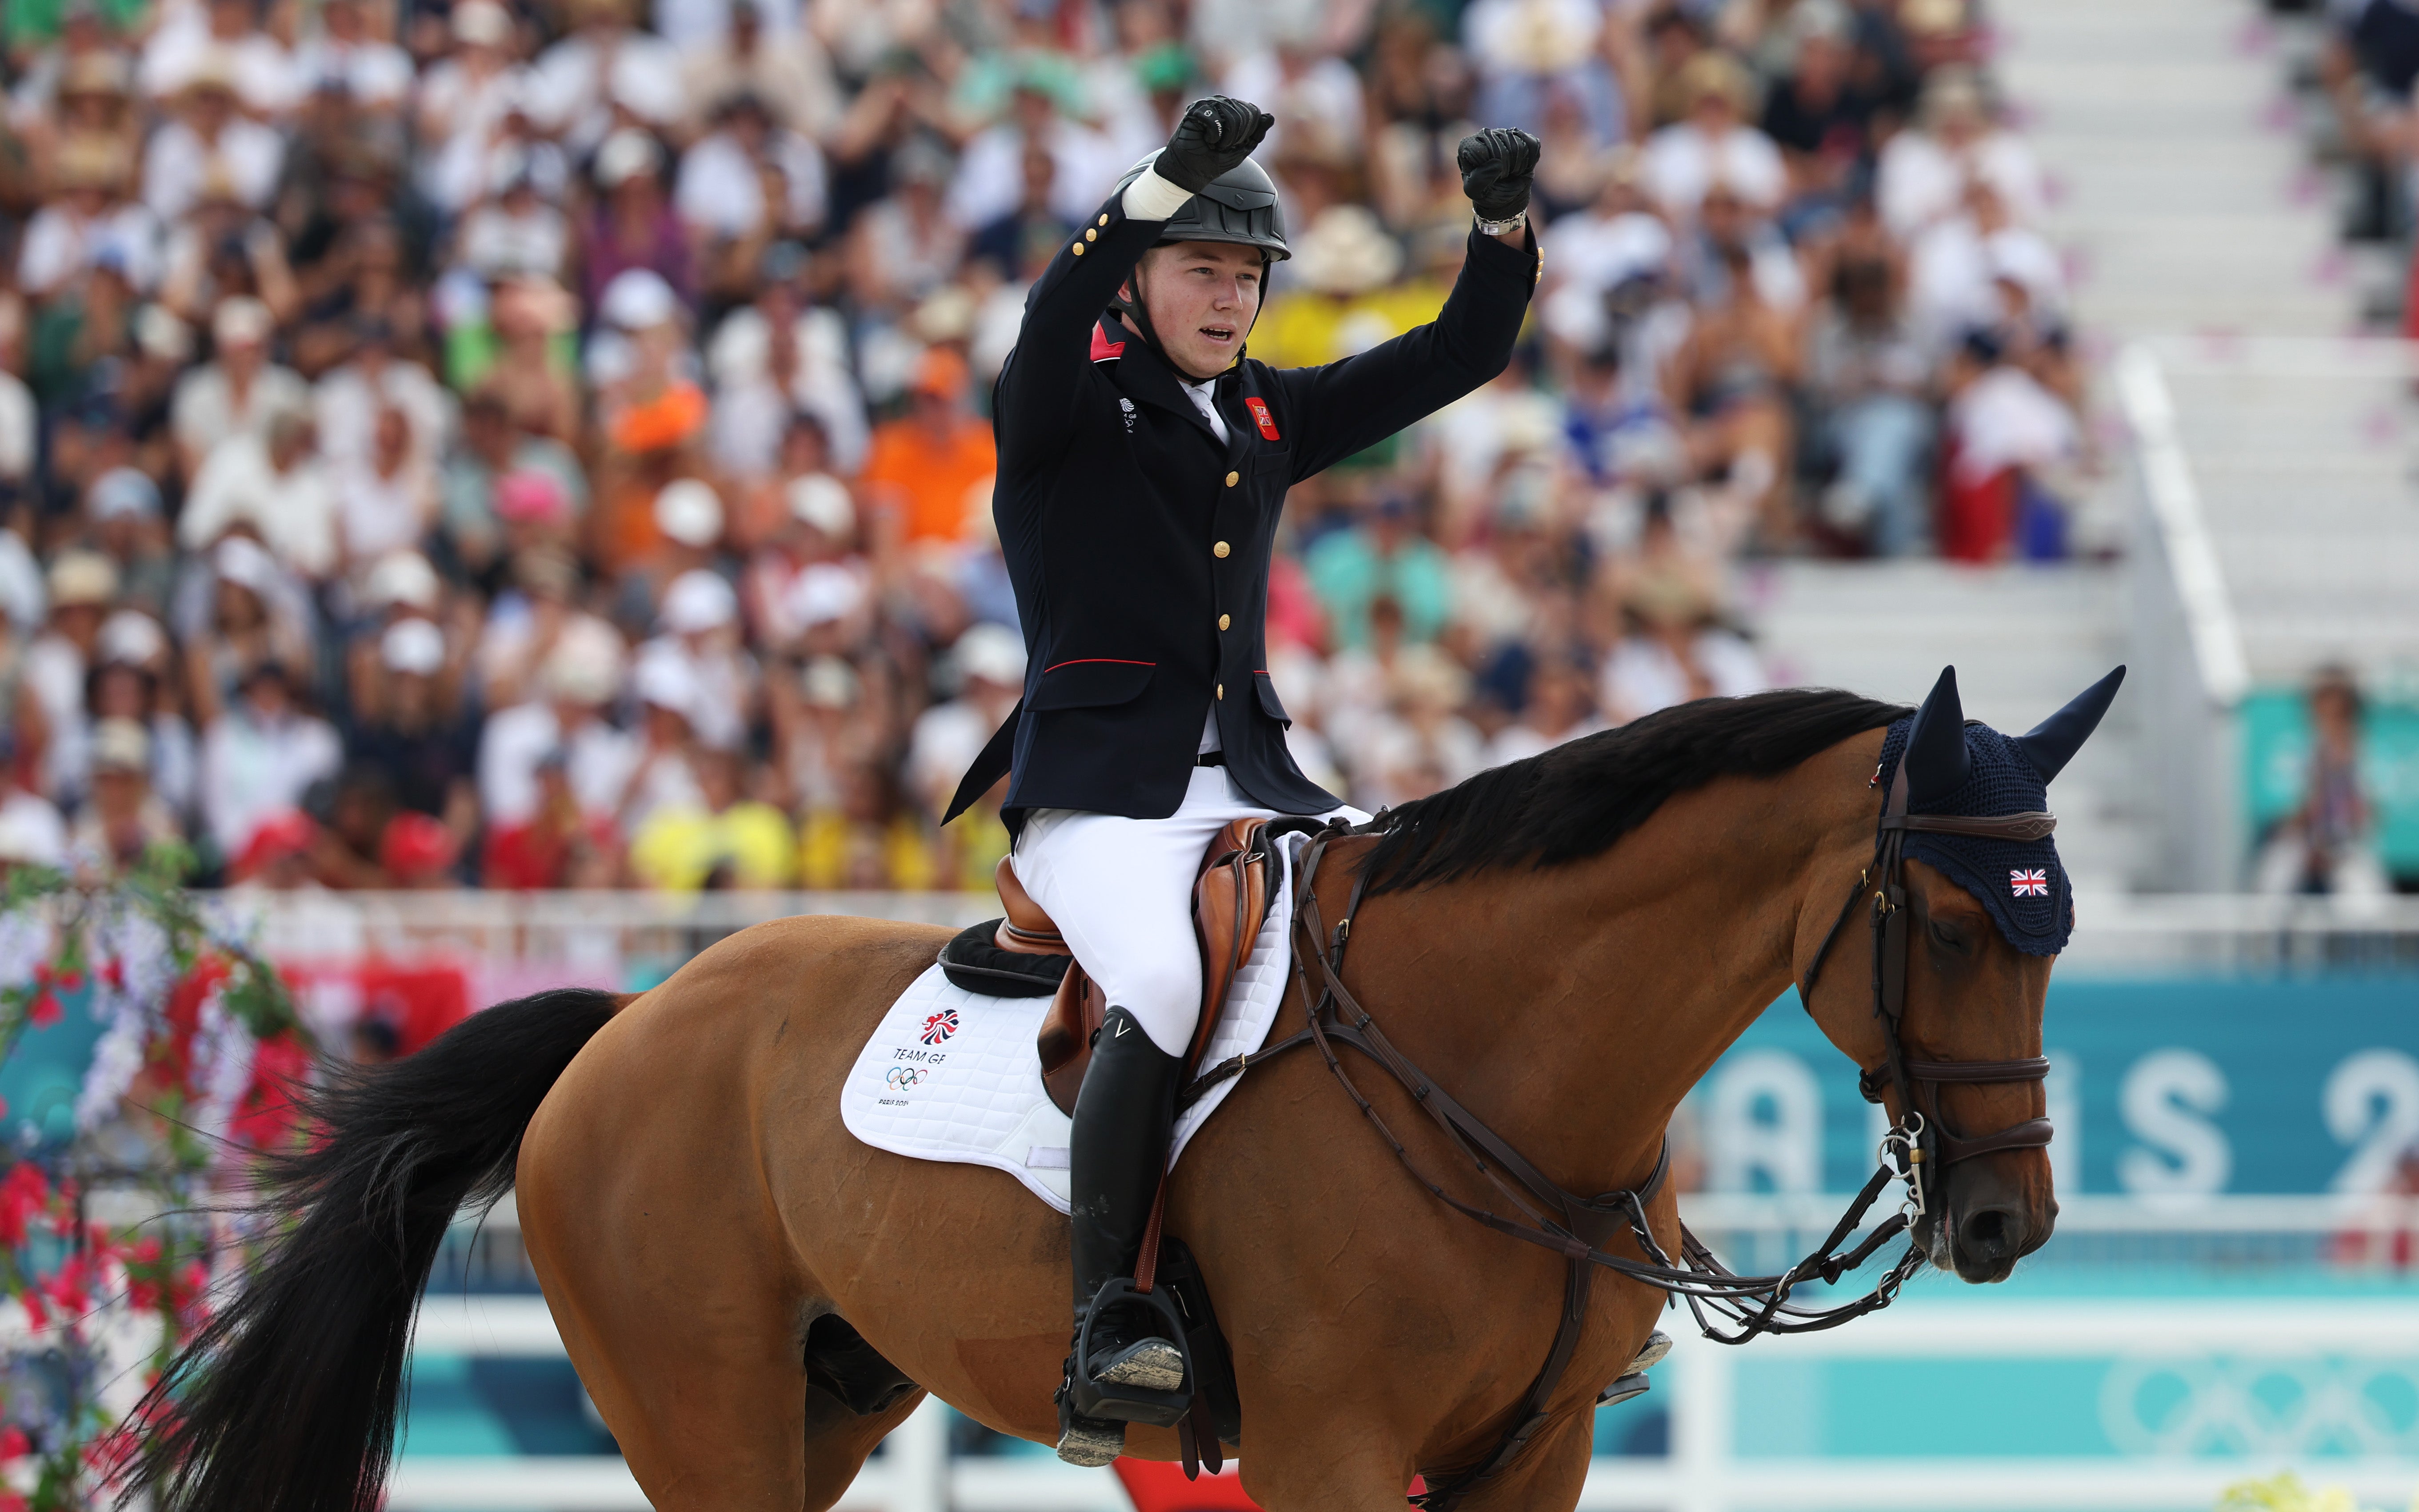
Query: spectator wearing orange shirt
[[925, 467]]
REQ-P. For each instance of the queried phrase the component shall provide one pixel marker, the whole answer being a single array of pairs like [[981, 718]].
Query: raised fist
[[1215, 135], [1496, 167]]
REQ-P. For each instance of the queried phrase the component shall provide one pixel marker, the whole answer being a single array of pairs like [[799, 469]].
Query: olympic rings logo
[[2283, 1407], [903, 1077]]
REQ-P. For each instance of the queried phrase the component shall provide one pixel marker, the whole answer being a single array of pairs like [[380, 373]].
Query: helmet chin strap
[[1137, 312]]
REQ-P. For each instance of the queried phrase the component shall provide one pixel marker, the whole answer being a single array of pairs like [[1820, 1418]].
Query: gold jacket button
[[1221, 691], [1220, 550], [1091, 236], [1104, 220], [1078, 249], [1233, 478], [1225, 620]]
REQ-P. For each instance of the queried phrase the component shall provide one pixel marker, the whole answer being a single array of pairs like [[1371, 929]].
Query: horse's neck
[[1572, 1006]]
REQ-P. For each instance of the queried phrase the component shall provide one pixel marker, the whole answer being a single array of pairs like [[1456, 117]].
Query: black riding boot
[[1123, 1117]]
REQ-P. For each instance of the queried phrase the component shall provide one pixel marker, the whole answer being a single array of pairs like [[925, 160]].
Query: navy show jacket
[[1138, 544]]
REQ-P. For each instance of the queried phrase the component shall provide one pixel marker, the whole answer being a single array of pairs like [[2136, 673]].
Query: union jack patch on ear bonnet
[[1961, 766]]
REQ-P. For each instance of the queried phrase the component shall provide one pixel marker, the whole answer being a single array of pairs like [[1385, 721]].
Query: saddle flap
[[1230, 900]]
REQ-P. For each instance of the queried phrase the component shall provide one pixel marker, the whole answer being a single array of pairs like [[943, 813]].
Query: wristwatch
[[1496, 228]]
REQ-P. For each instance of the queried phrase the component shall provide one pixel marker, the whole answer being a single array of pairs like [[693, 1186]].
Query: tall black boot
[[1123, 1117]]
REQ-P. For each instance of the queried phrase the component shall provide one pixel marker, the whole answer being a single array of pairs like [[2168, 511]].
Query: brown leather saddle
[[1230, 899]]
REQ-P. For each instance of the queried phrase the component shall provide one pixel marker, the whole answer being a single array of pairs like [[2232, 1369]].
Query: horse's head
[[1939, 971]]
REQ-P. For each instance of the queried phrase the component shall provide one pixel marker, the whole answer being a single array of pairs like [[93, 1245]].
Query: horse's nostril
[[1990, 1234]]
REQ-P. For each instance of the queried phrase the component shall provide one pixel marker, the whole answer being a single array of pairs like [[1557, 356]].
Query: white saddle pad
[[952, 1075]]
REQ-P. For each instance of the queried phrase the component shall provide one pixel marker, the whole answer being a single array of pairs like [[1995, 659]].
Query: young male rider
[[1143, 465]]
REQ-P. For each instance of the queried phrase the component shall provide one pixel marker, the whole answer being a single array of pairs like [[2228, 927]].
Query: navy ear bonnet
[[2021, 882]]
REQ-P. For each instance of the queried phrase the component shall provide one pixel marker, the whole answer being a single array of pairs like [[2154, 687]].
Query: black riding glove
[[1215, 135], [1496, 167]]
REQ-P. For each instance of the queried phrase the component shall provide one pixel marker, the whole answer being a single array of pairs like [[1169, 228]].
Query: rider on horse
[[1144, 462]]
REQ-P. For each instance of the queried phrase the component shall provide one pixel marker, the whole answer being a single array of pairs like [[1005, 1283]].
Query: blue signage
[[2167, 1087]]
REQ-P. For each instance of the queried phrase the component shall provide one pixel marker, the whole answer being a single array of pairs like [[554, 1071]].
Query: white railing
[[1705, 1471], [2190, 669], [596, 936]]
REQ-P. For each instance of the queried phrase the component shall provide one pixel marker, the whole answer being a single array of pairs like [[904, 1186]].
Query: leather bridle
[[1920, 1144], [1577, 1227]]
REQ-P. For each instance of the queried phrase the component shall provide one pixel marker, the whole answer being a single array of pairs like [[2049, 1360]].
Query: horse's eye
[[1948, 936]]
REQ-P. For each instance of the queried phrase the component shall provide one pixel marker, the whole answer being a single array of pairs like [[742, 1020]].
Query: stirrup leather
[[1106, 1398]]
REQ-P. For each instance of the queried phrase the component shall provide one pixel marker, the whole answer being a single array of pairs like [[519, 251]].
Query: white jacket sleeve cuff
[[1154, 199]]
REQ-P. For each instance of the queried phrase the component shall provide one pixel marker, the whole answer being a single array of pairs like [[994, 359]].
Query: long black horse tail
[[287, 1400]]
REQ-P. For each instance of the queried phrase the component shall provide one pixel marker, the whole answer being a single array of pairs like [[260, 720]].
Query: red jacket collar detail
[[1103, 347]]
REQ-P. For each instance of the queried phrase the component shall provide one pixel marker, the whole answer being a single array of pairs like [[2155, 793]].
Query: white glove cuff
[[1154, 199]]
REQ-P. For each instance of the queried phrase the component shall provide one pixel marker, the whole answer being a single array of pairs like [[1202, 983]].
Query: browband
[[2034, 824]]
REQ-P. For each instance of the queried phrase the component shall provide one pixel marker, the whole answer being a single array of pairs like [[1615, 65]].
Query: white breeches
[[1120, 891]]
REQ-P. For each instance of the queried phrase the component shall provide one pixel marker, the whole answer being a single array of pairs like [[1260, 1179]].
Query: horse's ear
[[1935, 747], [2054, 742]]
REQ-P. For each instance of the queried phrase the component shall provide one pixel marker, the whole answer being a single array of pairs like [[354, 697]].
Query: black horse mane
[[1576, 799]]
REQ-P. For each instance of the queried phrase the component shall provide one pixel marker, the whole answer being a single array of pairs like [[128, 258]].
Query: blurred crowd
[[545, 445]]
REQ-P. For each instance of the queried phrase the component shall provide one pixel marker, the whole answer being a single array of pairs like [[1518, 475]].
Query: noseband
[[1921, 1143]]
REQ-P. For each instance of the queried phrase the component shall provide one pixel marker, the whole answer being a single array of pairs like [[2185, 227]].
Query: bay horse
[[1567, 942]]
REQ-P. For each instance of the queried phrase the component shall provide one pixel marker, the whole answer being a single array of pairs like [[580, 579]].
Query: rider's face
[[1202, 297]]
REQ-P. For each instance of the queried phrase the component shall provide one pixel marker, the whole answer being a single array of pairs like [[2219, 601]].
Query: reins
[[1578, 1229]]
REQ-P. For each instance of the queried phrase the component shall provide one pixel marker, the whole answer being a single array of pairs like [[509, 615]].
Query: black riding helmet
[[1238, 206]]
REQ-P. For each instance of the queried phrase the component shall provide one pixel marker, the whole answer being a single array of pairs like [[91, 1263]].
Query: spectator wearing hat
[[699, 621], [989, 663], [759, 46], [402, 587], [777, 360], [1713, 143], [132, 681], [529, 365], [259, 756], [208, 141], [123, 819], [222, 248], [928, 470], [82, 586], [514, 230], [275, 483], [903, 247], [579, 678], [633, 225], [419, 737], [388, 499], [1820, 115], [818, 528], [470, 528], [463, 100], [1924, 173], [87, 217], [373, 75], [821, 723], [683, 531], [665, 773], [241, 611], [221, 41], [606, 69], [535, 609], [746, 183], [349, 398], [236, 392]]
